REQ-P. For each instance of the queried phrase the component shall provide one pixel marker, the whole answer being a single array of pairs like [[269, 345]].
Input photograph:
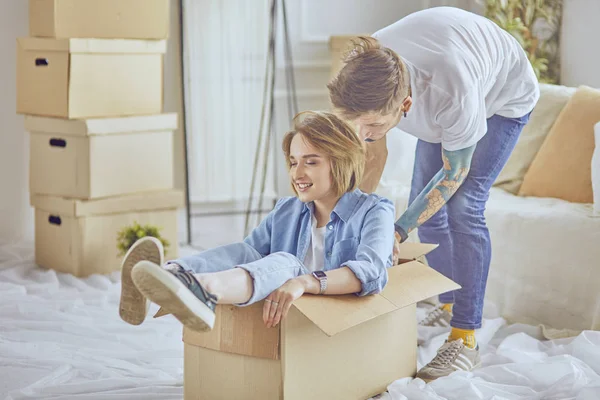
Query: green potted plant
[[536, 26], [128, 235]]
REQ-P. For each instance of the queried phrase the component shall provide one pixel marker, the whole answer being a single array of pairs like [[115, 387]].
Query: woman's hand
[[278, 303]]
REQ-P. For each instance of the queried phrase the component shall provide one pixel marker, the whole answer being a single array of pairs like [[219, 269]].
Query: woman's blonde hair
[[373, 79], [337, 140]]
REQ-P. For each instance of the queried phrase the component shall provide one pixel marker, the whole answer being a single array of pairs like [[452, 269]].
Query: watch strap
[[322, 282]]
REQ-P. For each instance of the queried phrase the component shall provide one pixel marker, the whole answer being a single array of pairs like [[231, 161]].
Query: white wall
[[580, 52], [16, 215]]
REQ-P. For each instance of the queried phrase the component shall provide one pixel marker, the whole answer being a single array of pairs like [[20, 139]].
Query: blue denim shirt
[[359, 235]]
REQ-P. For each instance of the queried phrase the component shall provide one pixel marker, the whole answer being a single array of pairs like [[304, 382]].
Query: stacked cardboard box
[[338, 46], [90, 84]]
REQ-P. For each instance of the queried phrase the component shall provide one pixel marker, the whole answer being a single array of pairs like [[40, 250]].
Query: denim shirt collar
[[344, 207]]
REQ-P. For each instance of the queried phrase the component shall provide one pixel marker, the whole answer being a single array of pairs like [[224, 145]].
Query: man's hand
[[278, 303], [396, 254]]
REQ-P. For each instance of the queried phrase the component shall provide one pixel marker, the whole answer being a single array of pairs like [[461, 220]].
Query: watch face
[[319, 274]]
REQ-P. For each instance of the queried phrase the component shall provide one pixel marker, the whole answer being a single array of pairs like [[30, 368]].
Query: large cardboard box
[[328, 347], [87, 78], [92, 158], [103, 19], [80, 236]]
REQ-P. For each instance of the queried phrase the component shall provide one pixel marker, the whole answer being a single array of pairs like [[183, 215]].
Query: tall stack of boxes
[[90, 84]]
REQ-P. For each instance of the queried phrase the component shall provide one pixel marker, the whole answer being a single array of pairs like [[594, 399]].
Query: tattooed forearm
[[439, 190], [435, 201]]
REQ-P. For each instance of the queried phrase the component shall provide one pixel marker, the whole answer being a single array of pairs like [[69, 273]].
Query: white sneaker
[[134, 306]]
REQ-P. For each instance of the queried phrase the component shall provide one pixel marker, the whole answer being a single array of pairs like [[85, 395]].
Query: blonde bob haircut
[[335, 139], [373, 79]]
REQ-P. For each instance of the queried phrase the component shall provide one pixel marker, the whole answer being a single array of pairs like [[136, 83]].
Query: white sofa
[[545, 252]]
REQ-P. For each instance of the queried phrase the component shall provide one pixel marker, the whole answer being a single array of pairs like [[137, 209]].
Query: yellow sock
[[447, 307], [467, 335]]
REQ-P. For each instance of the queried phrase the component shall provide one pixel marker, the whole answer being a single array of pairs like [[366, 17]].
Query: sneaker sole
[[162, 288], [133, 306], [427, 380]]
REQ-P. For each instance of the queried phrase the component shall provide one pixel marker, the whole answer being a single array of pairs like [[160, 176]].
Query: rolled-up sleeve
[[374, 252]]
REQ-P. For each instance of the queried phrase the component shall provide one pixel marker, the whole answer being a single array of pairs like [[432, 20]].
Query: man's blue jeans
[[464, 251]]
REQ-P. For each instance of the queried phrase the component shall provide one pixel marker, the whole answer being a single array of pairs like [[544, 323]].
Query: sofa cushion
[[562, 167], [552, 100], [544, 267]]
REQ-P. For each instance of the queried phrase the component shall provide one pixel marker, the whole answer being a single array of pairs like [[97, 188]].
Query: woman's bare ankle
[[233, 286], [209, 283]]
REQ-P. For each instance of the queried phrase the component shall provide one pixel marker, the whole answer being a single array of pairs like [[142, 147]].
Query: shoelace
[[189, 278], [187, 275], [433, 315], [447, 356]]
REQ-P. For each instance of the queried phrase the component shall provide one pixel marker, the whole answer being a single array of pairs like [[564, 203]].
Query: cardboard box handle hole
[[58, 143], [41, 62], [54, 220]]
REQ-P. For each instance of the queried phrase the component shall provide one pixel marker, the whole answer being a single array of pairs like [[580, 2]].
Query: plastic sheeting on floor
[[61, 338]]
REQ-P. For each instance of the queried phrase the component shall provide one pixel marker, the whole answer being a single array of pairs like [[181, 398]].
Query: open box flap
[[412, 282], [412, 251], [334, 314]]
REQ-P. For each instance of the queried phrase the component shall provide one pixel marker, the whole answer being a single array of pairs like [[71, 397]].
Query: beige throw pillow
[[552, 100], [562, 167]]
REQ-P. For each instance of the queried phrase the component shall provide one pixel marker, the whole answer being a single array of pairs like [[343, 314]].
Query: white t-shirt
[[315, 255], [463, 69]]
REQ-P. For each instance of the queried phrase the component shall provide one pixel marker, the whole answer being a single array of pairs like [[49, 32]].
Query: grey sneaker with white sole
[[452, 356], [133, 306], [178, 292]]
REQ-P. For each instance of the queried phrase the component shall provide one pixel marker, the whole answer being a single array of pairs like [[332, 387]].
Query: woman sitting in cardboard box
[[330, 239]]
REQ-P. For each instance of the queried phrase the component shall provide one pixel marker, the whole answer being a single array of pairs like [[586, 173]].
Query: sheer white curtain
[[225, 49]]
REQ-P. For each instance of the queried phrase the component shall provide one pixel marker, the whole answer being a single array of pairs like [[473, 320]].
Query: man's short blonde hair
[[336, 140], [373, 80]]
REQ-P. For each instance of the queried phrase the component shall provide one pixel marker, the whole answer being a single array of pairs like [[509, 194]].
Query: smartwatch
[[322, 278]]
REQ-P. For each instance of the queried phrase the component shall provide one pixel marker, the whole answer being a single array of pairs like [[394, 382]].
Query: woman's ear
[[407, 104]]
